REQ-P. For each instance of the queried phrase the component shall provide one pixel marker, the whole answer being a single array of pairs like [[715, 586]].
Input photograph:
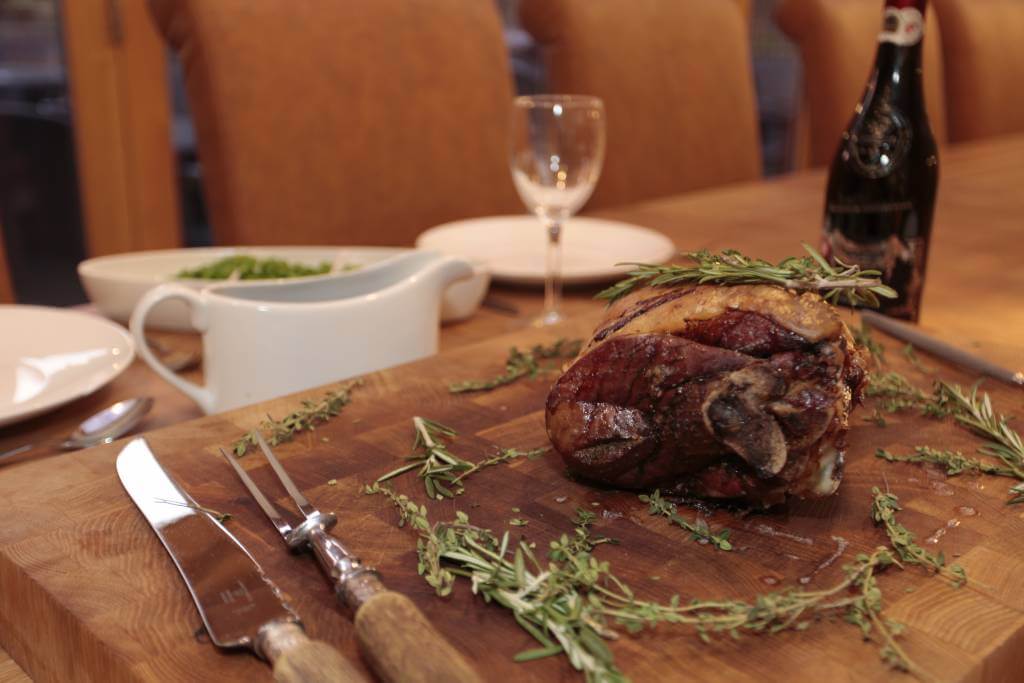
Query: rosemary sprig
[[811, 273], [503, 456], [437, 465], [699, 530], [884, 507], [976, 414], [306, 418], [571, 602], [521, 364]]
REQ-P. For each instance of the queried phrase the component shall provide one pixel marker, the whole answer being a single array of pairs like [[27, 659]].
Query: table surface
[[971, 296]]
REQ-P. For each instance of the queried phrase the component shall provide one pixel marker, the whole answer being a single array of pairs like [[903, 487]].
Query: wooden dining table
[[973, 297]]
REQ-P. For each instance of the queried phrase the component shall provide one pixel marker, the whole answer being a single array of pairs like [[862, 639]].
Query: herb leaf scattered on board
[[521, 364], [306, 418]]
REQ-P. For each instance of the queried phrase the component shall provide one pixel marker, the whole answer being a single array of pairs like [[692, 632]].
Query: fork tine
[[283, 526], [289, 485]]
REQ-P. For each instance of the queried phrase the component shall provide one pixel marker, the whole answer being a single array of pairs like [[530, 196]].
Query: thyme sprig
[[973, 411], [699, 529], [884, 507], [438, 467], [810, 273], [571, 602], [954, 462], [910, 353], [503, 456], [306, 418], [521, 364]]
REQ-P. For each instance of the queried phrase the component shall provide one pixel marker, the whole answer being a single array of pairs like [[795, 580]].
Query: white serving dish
[[273, 338], [116, 283], [50, 356]]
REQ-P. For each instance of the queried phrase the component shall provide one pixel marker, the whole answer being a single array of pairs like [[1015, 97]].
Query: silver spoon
[[103, 427]]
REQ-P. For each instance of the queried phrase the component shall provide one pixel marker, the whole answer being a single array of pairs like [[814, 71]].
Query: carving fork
[[397, 641]]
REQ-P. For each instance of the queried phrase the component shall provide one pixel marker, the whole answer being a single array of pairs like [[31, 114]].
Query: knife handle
[[298, 659]]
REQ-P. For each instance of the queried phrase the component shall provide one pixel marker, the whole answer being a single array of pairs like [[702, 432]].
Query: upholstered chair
[[351, 121], [677, 82], [983, 48]]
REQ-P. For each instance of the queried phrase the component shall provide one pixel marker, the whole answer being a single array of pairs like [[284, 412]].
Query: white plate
[[116, 283], [49, 356], [513, 247]]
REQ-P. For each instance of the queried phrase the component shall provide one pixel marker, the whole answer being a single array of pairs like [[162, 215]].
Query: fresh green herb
[[306, 418], [570, 602], [699, 530], [221, 517], [896, 393], [976, 414], [505, 455], [864, 339], [884, 507], [438, 467], [911, 355], [251, 268], [522, 364], [516, 521], [955, 462], [972, 411], [811, 273]]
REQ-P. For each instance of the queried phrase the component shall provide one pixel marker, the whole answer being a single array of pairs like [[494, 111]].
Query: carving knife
[[239, 605], [969, 361]]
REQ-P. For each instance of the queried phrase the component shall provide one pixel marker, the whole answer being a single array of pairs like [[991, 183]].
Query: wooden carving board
[[87, 592]]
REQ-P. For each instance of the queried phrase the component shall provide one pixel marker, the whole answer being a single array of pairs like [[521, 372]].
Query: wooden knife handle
[[401, 646], [298, 659]]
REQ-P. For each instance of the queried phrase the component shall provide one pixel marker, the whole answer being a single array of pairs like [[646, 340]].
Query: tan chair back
[[676, 79], [983, 47], [355, 121], [6, 289], [837, 41]]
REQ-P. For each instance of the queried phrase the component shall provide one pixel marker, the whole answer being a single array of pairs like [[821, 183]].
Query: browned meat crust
[[715, 392]]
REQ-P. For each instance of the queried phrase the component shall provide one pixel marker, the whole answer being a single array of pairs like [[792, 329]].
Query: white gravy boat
[[263, 341]]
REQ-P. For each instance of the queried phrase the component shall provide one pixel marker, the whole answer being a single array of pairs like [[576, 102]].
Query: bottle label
[[882, 142], [902, 26], [899, 258]]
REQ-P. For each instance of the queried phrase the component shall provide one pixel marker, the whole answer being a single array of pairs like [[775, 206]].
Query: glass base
[[547, 318]]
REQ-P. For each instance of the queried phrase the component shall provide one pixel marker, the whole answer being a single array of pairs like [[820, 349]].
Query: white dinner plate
[[50, 356], [513, 247]]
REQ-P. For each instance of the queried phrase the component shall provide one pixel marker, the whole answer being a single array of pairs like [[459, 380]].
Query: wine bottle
[[881, 188]]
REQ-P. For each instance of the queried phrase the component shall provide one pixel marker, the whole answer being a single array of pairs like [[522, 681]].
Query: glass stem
[[553, 274]]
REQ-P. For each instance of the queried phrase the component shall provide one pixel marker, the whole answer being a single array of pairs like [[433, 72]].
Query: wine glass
[[555, 153]]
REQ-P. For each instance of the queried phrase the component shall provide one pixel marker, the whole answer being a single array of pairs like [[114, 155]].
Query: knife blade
[[239, 606]]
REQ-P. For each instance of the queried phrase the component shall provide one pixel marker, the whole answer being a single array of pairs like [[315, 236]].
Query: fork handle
[[401, 646], [398, 642]]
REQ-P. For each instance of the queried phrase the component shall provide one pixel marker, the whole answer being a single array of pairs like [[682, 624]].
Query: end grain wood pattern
[[87, 592]]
